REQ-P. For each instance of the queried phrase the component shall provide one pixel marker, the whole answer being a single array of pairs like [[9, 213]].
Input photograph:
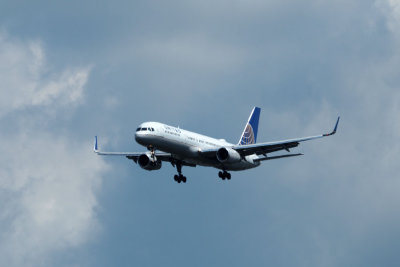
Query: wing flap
[[265, 148]]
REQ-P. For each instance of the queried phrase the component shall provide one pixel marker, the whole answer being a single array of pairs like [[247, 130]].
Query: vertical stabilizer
[[249, 135]]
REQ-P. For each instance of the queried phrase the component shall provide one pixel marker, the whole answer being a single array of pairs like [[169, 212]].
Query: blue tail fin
[[249, 135]]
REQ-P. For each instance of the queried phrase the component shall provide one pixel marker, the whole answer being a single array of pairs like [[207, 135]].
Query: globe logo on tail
[[248, 136]]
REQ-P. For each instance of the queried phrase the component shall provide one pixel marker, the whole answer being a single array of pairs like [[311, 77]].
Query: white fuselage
[[187, 146]]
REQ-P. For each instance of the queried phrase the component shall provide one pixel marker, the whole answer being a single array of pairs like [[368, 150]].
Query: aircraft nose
[[138, 136]]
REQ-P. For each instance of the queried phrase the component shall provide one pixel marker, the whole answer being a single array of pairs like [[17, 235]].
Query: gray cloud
[[48, 182], [203, 65], [26, 80]]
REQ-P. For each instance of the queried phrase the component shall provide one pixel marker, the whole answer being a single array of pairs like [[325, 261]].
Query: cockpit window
[[145, 129]]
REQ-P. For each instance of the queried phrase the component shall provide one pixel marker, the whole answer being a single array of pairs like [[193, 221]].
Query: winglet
[[334, 130], [95, 149]]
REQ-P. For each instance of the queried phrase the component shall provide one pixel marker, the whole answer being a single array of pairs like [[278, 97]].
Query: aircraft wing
[[268, 147], [135, 155]]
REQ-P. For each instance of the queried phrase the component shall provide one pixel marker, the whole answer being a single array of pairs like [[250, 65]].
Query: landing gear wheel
[[224, 175], [179, 177]]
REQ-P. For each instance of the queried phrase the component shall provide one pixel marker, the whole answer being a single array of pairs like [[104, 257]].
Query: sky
[[75, 69]]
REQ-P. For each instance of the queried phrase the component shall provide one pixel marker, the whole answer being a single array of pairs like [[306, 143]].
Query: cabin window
[[138, 129]]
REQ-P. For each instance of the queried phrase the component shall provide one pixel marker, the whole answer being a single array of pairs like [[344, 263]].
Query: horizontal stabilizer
[[278, 157]]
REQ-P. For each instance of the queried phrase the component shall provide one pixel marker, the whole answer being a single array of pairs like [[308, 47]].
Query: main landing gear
[[179, 178], [224, 175]]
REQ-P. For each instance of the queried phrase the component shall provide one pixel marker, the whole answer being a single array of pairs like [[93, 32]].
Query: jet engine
[[228, 155], [147, 162]]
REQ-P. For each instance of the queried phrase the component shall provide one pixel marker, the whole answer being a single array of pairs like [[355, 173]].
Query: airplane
[[184, 148]]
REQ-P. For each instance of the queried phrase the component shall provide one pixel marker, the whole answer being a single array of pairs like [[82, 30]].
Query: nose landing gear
[[224, 175]]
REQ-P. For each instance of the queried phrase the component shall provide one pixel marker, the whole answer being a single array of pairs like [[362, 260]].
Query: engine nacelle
[[147, 162], [228, 155]]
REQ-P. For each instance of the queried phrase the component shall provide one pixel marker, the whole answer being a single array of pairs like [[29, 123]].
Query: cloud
[[303, 62], [48, 190], [26, 80], [48, 182], [392, 10], [196, 52], [350, 179]]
